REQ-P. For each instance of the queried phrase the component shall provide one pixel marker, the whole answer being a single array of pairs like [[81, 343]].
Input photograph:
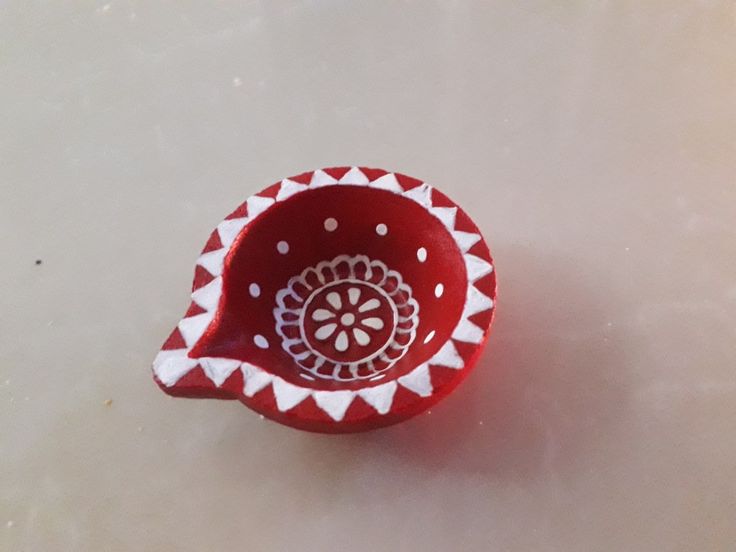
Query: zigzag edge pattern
[[171, 365]]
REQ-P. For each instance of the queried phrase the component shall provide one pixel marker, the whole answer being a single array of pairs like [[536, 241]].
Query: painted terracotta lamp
[[338, 300]]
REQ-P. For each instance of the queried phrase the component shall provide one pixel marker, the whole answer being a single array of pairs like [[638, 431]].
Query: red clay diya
[[339, 300]]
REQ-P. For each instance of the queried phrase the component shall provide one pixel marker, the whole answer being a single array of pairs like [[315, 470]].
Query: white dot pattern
[[477, 266]]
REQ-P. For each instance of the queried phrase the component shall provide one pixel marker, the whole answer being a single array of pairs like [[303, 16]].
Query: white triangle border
[[171, 365]]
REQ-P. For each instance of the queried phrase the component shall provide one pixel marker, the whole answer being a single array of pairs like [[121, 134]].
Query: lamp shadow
[[551, 383]]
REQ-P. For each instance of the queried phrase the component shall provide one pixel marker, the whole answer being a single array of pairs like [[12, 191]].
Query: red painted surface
[[327, 299]]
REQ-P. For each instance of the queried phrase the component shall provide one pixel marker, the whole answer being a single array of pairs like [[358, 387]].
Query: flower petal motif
[[356, 322], [325, 331], [361, 337], [322, 314], [369, 305], [354, 295], [341, 343], [375, 323], [334, 300]]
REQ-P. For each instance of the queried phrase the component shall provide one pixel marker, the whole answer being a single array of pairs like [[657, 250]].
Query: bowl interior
[[337, 287]]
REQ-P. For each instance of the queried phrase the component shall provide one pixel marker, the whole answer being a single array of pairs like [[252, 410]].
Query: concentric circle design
[[346, 363], [346, 312], [346, 319]]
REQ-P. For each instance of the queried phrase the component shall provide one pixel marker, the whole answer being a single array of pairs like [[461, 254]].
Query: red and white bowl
[[338, 300]]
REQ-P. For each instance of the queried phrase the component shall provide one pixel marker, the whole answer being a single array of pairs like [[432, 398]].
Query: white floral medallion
[[346, 319]]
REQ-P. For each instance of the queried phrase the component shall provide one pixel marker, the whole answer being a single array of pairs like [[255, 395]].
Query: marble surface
[[594, 143]]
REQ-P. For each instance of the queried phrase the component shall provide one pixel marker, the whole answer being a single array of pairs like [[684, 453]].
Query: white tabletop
[[592, 142]]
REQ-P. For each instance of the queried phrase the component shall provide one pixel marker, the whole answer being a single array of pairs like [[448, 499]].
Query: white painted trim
[[193, 327], [289, 188], [321, 178], [448, 356], [380, 397], [387, 182], [254, 378], [219, 369], [171, 365], [228, 230], [287, 394], [335, 403], [213, 261], [354, 176], [418, 381], [208, 297]]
